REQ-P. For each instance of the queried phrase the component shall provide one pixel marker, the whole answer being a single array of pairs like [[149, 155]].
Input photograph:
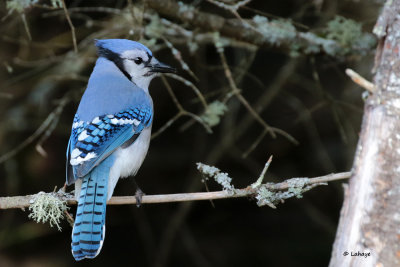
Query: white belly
[[128, 160]]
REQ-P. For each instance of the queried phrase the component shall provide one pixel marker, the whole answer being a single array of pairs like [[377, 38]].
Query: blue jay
[[110, 134]]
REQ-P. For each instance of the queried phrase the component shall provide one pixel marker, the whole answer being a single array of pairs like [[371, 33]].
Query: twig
[[52, 126], [46, 128], [70, 25], [361, 81], [233, 9], [166, 125], [181, 111], [198, 119], [230, 7], [177, 55], [330, 100], [270, 15], [171, 93], [255, 144], [24, 201], [191, 85], [236, 92], [70, 219], [261, 178], [113, 11], [26, 26]]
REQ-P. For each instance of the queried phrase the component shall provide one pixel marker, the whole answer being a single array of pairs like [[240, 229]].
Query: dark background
[[323, 115]]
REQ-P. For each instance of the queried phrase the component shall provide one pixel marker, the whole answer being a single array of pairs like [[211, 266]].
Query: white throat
[[143, 82]]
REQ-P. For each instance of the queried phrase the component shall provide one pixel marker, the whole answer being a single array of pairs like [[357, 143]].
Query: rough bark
[[370, 216]]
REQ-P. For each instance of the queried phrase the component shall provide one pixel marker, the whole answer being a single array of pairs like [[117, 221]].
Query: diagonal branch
[[237, 92], [44, 129], [70, 25]]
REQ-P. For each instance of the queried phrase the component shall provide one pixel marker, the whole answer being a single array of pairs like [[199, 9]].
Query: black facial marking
[[114, 57], [146, 63]]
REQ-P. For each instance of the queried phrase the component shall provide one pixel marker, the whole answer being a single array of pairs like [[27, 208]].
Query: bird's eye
[[138, 60]]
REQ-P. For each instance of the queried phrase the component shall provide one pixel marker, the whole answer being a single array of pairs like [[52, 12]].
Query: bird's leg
[[138, 194]]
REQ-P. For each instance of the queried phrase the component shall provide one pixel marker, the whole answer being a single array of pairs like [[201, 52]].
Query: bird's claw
[[138, 195]]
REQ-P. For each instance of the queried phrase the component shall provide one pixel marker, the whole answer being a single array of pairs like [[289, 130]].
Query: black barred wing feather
[[91, 142]]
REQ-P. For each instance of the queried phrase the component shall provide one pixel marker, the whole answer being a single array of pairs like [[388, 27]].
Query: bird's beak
[[159, 67]]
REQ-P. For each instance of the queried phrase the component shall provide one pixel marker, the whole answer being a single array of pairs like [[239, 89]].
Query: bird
[[110, 134]]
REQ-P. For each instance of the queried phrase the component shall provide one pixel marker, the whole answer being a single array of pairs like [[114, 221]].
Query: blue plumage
[[110, 134], [89, 228], [101, 136], [121, 45]]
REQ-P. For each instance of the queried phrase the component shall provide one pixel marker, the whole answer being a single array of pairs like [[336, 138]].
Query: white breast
[[128, 160]]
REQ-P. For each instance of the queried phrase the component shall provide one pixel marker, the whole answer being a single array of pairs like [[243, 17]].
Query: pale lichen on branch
[[268, 194], [221, 178], [214, 112], [48, 207]]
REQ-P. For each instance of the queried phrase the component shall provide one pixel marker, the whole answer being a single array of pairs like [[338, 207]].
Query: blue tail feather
[[89, 228]]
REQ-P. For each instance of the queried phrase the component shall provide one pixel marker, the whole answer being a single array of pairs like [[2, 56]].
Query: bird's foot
[[138, 195]]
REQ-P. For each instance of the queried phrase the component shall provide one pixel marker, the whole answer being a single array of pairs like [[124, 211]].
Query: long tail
[[89, 228]]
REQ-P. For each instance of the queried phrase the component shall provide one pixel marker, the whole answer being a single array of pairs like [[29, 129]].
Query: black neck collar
[[114, 57]]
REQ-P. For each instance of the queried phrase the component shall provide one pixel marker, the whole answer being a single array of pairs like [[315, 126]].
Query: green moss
[[344, 31], [348, 33]]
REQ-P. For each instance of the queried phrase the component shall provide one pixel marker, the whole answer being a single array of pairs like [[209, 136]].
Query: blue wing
[[91, 142]]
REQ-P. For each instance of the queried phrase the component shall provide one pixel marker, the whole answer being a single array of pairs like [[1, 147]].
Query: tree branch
[[305, 42], [70, 25], [361, 81], [25, 201]]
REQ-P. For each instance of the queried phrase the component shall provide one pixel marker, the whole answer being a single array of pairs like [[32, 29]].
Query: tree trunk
[[370, 216]]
